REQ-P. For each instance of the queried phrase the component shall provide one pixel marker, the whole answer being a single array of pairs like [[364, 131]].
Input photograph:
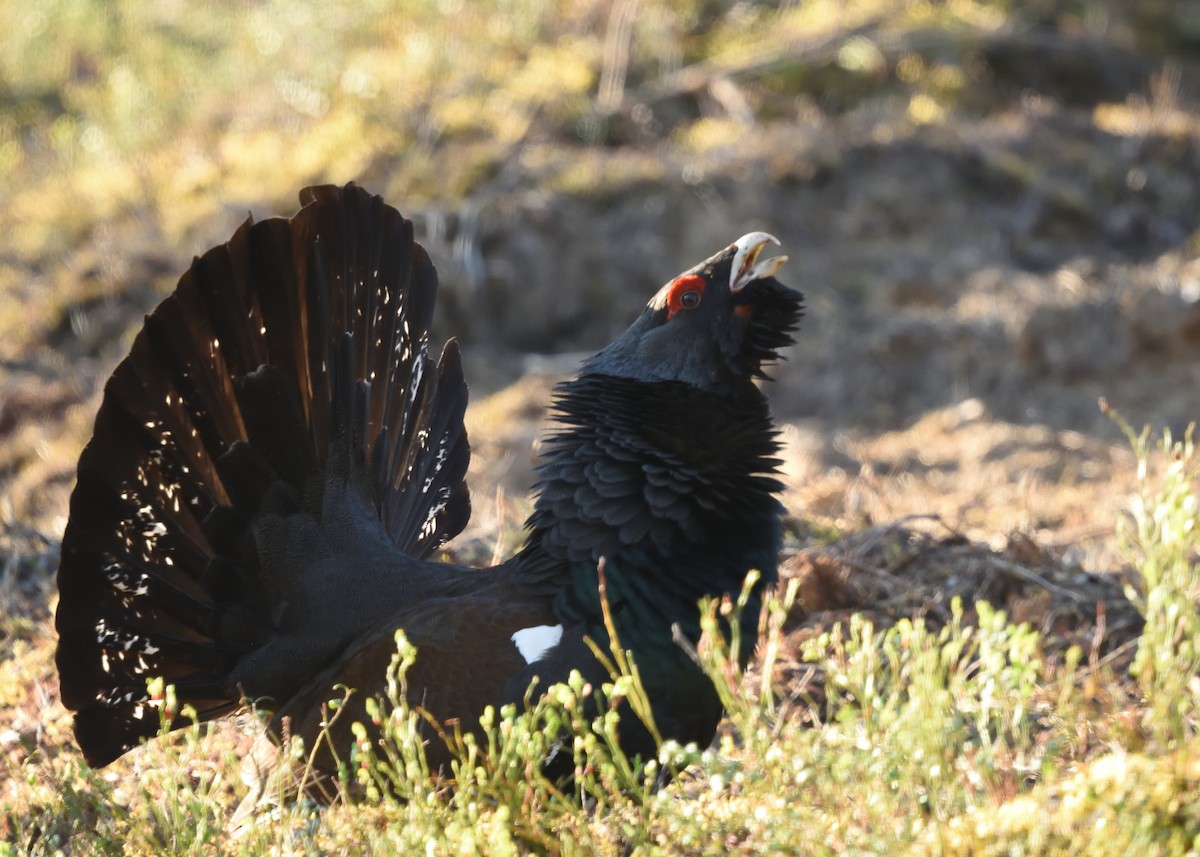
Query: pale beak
[[746, 267]]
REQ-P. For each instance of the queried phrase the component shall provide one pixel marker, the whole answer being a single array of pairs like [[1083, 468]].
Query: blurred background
[[991, 206]]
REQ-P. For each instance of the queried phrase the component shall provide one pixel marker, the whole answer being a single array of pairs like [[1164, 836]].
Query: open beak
[[746, 268]]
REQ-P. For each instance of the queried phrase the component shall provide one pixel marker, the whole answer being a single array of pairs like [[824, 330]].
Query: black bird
[[278, 455]]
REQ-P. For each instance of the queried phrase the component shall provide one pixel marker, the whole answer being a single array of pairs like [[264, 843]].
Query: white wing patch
[[534, 642]]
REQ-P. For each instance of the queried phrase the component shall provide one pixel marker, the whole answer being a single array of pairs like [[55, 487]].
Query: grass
[[134, 134], [959, 738], [1162, 539]]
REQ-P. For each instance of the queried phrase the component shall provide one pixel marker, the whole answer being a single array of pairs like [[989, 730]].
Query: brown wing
[[465, 659]]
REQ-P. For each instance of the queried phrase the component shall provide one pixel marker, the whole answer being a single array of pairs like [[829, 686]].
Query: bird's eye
[[682, 293]]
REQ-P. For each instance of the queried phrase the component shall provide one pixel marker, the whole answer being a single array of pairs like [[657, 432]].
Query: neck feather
[[674, 486]]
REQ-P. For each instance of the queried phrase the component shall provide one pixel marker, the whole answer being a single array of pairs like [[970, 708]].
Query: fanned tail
[[289, 360]]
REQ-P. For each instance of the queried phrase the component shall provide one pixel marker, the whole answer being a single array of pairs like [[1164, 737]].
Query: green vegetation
[[962, 739], [1161, 535], [134, 134]]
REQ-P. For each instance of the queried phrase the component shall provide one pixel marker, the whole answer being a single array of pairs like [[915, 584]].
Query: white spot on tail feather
[[534, 642]]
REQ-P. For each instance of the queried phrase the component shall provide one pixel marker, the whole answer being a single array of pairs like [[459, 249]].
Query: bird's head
[[712, 326]]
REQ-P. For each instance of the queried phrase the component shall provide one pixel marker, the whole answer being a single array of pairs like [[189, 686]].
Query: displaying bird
[[279, 455]]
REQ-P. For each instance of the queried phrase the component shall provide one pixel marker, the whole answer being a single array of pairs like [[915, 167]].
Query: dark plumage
[[278, 456]]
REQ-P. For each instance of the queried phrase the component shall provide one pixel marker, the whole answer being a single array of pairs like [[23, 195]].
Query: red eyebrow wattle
[[686, 283]]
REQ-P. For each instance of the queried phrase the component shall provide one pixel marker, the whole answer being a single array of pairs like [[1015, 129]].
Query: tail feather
[[428, 470], [228, 411], [275, 426]]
